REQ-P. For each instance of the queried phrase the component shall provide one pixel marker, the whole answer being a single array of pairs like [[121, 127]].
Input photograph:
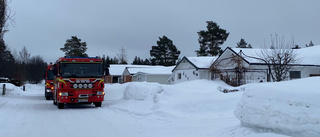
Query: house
[[191, 68], [237, 66], [159, 74], [115, 73]]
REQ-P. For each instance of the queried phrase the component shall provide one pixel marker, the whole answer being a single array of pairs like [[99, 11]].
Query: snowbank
[[290, 107], [142, 91], [11, 89], [193, 99]]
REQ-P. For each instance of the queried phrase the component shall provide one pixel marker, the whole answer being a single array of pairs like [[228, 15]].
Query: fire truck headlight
[[75, 86], [100, 93], [52, 88], [85, 86], [48, 90], [80, 85], [90, 85], [63, 94]]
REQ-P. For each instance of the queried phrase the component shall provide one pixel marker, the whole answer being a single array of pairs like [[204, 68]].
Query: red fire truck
[[49, 81], [78, 80]]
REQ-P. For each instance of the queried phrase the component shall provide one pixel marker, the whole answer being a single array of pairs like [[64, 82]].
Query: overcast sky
[[43, 26]]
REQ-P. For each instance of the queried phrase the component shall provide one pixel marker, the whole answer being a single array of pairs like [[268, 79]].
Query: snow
[[202, 62], [196, 108], [156, 70], [305, 56], [291, 107], [117, 70]]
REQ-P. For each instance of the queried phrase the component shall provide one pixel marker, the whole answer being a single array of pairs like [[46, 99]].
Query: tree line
[[22, 68]]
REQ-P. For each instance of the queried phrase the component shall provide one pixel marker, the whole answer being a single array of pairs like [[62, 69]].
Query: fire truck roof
[[79, 59]]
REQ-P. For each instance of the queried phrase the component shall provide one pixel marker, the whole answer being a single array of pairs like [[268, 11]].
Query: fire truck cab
[[49, 81], [78, 80]]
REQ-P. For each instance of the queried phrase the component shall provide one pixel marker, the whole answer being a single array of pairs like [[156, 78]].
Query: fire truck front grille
[[83, 96]]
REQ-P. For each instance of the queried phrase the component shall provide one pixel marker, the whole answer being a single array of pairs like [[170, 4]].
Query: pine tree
[[242, 44], [165, 53], [146, 62], [310, 44], [135, 61], [7, 61], [75, 48], [211, 39]]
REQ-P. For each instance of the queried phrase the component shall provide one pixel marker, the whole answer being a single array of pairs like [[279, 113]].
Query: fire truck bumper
[[89, 99]]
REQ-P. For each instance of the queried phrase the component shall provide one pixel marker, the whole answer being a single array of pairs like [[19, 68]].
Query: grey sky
[[43, 26]]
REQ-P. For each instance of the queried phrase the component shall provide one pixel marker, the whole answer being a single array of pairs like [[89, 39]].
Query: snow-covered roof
[[117, 70], [306, 56], [202, 62], [155, 70]]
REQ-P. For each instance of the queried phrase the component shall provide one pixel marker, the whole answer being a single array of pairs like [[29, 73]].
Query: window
[[295, 74], [115, 80], [179, 75], [81, 70]]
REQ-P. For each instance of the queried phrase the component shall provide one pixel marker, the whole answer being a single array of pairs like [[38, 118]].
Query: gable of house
[[191, 68]]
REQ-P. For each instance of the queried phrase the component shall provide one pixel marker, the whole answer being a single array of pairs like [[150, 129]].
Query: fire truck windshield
[[49, 74], [81, 70]]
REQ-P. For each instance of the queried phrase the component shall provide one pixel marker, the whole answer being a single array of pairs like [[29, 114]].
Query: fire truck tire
[[60, 105], [47, 98], [98, 104]]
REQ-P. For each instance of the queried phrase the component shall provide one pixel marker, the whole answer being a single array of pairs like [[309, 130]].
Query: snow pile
[[290, 108], [142, 91], [198, 98], [11, 89]]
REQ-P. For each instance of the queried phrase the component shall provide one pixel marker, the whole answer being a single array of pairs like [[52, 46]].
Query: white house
[[191, 68], [238, 66], [159, 74]]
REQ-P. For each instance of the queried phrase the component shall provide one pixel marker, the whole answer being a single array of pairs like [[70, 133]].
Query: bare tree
[[279, 58], [24, 55], [5, 16], [122, 56]]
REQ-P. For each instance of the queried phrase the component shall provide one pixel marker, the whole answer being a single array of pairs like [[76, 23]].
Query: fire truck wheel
[[60, 105], [98, 104], [47, 98]]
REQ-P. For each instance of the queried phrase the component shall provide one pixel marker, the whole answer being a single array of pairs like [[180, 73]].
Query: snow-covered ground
[[189, 109]]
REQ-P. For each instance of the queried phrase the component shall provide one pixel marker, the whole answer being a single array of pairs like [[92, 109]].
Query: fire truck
[[78, 80], [48, 74]]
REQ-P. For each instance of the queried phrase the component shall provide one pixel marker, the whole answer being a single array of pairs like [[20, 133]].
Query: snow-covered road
[[28, 114], [190, 109]]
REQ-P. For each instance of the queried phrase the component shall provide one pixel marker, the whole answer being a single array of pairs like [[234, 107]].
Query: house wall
[[204, 74], [185, 75], [126, 77], [108, 79], [162, 79], [306, 71]]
